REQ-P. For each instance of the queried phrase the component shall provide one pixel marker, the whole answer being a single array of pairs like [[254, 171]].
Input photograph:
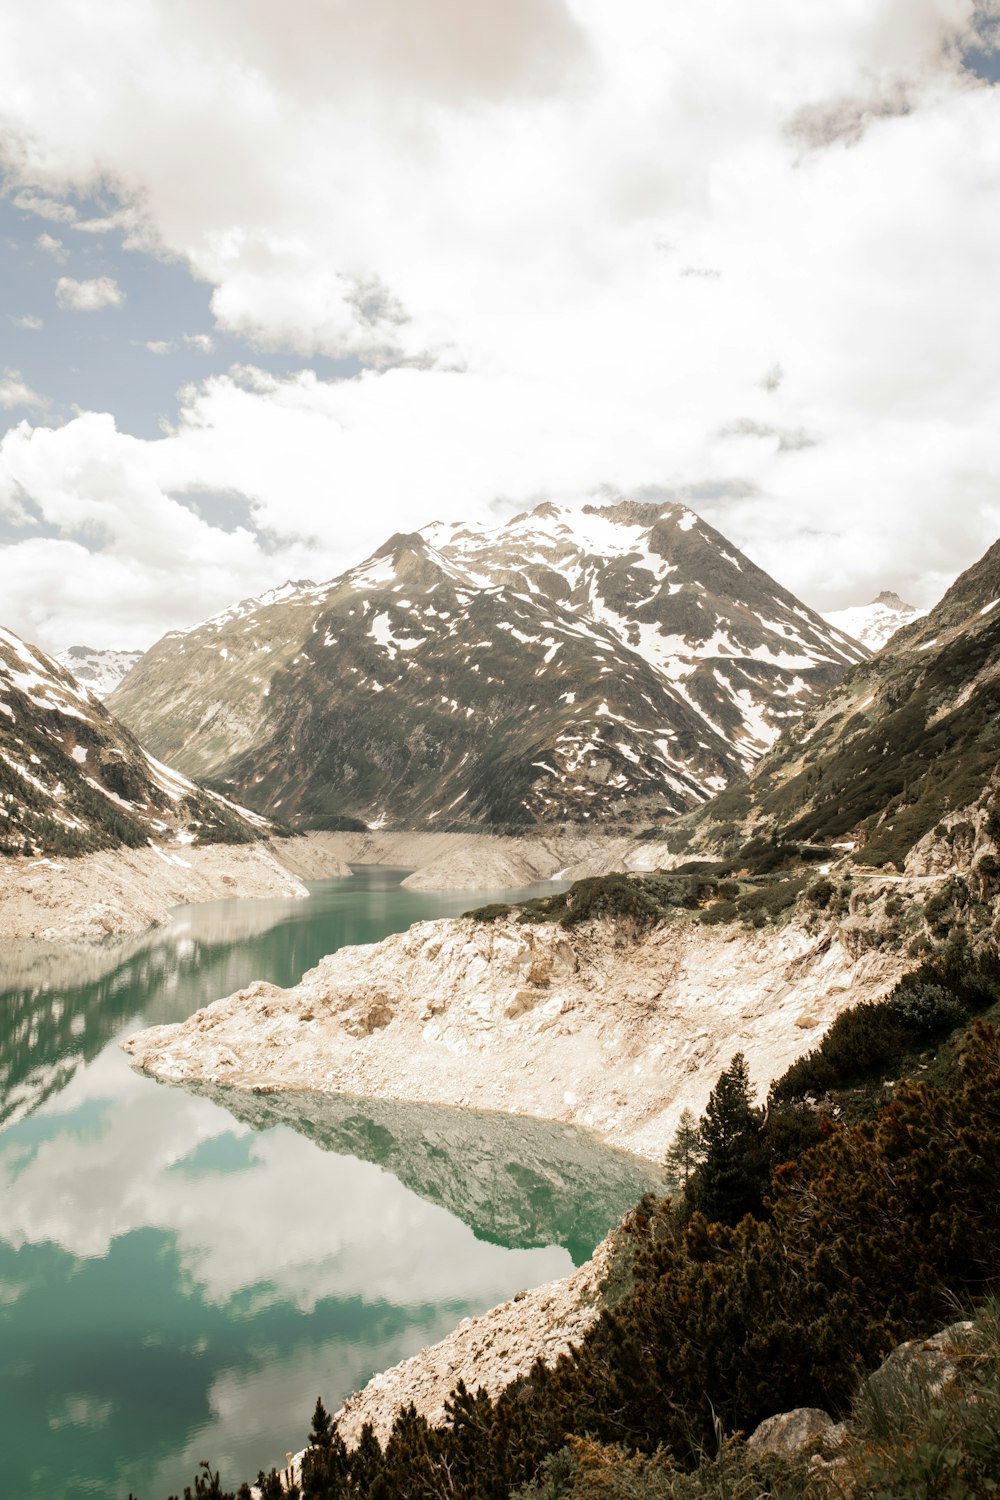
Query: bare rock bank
[[487, 1352], [118, 892], [481, 861], [590, 1026]]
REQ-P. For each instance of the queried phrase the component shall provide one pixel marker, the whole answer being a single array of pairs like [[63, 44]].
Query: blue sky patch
[[129, 359]]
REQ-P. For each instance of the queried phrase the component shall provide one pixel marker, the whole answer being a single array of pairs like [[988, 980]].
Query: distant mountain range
[[98, 668], [904, 752], [72, 779], [875, 623], [609, 665]]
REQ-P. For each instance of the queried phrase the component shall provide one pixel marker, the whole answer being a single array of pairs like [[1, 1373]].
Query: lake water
[[182, 1273]]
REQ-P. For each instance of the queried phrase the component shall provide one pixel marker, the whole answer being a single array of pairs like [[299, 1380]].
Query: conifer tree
[[684, 1154], [730, 1180]]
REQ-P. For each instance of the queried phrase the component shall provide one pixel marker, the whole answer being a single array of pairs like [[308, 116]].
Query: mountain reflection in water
[[515, 1181]]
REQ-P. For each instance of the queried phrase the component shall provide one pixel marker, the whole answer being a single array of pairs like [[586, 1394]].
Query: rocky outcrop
[[927, 1367], [591, 1026], [914, 1377], [805, 1429]]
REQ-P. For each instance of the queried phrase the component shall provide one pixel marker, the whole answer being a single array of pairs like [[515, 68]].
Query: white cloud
[[28, 321], [51, 245], [160, 346], [45, 207], [502, 202], [15, 393], [203, 342], [89, 296], [369, 1235], [130, 559]]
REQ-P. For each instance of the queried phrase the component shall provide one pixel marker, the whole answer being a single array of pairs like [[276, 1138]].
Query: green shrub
[[491, 913], [875, 1035], [821, 893], [720, 911]]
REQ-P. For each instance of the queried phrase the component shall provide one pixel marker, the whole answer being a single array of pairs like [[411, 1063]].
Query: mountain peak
[[633, 512], [891, 600], [876, 623]]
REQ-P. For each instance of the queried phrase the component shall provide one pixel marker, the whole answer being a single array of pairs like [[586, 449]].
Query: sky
[[277, 282]]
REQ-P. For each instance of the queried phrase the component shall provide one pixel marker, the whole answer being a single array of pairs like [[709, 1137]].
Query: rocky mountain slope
[[898, 762], [607, 665], [873, 624], [73, 780], [97, 668]]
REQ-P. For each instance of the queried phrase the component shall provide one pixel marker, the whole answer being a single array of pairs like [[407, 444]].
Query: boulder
[[926, 1367], [791, 1431]]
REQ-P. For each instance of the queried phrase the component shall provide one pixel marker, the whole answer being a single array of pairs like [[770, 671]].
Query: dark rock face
[[610, 665]]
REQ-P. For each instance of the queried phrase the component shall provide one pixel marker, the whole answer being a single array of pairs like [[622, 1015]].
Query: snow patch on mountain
[[875, 623], [98, 669]]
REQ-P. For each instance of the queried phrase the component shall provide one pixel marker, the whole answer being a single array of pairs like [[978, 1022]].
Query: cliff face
[[591, 1026]]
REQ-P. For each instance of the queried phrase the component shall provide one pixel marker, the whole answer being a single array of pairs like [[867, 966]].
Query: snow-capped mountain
[[873, 624], [905, 750], [72, 779], [607, 664], [99, 669]]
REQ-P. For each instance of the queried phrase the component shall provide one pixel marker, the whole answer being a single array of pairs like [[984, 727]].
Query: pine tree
[[326, 1463], [684, 1153], [730, 1181]]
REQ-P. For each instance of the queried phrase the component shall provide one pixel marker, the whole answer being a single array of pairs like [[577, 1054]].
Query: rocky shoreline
[[593, 1027], [483, 861], [121, 892]]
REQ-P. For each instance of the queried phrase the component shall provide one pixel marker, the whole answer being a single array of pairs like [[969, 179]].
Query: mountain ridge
[[898, 755], [604, 665], [73, 780]]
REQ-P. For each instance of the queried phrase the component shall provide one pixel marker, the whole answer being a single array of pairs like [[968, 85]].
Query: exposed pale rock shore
[[117, 892], [487, 1352], [482, 861], [589, 1026]]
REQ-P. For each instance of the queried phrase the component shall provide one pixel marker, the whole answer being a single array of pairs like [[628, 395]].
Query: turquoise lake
[[182, 1273]]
